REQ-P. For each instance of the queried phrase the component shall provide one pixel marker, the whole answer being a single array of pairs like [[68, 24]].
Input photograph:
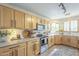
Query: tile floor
[[61, 50], [44, 48]]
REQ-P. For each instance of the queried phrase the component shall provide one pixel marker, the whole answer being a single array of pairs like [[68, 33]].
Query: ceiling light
[[61, 5]]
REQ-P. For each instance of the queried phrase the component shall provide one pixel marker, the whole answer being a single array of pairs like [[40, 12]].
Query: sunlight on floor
[[61, 50]]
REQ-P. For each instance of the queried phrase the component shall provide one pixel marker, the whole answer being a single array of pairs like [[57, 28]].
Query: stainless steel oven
[[44, 41]]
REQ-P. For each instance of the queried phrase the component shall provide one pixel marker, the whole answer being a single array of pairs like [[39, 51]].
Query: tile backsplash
[[8, 34]]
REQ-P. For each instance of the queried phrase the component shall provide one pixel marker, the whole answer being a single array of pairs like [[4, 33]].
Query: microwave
[[41, 27]]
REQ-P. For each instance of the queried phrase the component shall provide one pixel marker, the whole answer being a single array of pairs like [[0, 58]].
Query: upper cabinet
[[6, 17], [19, 19], [39, 20], [10, 18], [28, 21], [34, 22], [43, 21]]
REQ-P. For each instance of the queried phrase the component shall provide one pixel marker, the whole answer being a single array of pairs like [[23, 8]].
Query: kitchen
[[23, 33]]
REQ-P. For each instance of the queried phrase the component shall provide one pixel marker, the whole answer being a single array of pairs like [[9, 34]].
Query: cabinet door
[[73, 41], [66, 40], [28, 22], [57, 39], [6, 17], [34, 22], [43, 21], [49, 42], [30, 50], [77, 42], [19, 19], [52, 40], [22, 49], [5, 51], [39, 20], [8, 53], [37, 47]]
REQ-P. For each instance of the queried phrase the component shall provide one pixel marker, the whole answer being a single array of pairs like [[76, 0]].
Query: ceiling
[[49, 10]]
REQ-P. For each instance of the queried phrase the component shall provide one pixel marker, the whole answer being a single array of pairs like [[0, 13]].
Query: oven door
[[44, 41]]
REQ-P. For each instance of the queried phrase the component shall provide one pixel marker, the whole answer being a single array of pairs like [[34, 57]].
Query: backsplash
[[8, 34]]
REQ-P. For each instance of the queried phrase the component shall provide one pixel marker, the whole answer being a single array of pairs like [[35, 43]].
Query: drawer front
[[22, 44], [4, 49]]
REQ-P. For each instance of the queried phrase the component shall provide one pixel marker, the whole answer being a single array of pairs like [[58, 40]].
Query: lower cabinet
[[7, 53], [29, 48], [66, 40], [70, 40], [49, 41], [14, 51], [22, 49], [33, 47], [57, 39], [37, 47], [73, 41], [30, 51], [77, 42], [52, 40]]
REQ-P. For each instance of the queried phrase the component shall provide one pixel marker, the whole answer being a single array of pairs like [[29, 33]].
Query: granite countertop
[[14, 42]]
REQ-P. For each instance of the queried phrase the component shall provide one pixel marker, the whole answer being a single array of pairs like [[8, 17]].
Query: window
[[73, 25], [55, 27], [66, 26]]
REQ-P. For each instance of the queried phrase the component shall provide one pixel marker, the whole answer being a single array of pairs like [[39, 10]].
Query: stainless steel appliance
[[41, 27], [44, 40]]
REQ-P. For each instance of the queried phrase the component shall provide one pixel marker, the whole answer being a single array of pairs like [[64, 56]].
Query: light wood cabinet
[[43, 21], [57, 39], [46, 21], [6, 17], [14, 51], [30, 49], [5, 51], [52, 40], [19, 19], [73, 41], [8, 53], [37, 47], [66, 40], [22, 49], [34, 22], [77, 42], [49, 41], [28, 21], [39, 21], [10, 18]]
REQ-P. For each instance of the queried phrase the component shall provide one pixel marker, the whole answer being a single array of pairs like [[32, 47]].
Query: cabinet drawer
[[22, 44], [4, 49]]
